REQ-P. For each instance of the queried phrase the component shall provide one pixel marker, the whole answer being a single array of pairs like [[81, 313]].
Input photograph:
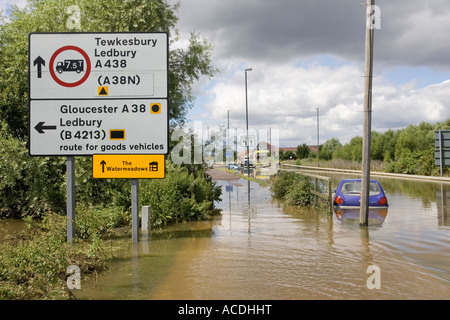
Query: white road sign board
[[83, 127], [98, 65], [94, 93]]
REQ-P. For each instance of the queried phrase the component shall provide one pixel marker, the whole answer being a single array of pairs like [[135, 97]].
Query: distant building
[[294, 149], [263, 149], [260, 152]]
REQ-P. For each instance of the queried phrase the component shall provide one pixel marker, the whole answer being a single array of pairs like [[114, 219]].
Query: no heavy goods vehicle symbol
[[70, 65]]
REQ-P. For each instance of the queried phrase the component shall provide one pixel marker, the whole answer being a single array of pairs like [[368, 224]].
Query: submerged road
[[261, 248], [217, 174]]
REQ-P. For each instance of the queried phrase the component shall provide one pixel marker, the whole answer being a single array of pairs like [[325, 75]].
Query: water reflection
[[376, 216], [442, 203]]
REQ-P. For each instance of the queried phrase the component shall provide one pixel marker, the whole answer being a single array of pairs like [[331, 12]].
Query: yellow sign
[[127, 166], [102, 91], [155, 108]]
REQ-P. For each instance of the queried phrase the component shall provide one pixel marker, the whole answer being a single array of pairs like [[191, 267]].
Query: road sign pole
[[70, 180], [135, 209]]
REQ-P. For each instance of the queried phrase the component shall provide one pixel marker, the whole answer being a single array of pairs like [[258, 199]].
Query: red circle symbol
[[70, 84]]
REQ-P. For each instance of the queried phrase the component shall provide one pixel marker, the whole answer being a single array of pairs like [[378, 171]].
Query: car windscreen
[[354, 188]]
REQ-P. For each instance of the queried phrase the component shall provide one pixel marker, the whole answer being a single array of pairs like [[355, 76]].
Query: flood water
[[260, 248]]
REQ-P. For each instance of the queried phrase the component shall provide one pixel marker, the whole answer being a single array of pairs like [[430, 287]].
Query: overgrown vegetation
[[33, 263], [182, 196], [409, 150], [291, 187]]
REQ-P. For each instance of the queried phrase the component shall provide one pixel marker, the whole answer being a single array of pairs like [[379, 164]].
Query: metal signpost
[[442, 148], [100, 94]]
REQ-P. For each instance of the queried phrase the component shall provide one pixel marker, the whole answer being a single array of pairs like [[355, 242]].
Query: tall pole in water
[[318, 145], [367, 122], [246, 121]]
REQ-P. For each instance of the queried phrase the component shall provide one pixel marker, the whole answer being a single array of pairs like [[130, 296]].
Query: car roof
[[355, 180]]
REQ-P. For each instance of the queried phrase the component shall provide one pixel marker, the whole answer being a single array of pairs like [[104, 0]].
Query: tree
[[383, 145], [414, 138], [350, 151], [186, 65], [289, 155], [38, 182], [327, 149], [302, 151]]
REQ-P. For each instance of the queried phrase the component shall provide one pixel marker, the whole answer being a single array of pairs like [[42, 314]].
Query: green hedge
[[291, 187], [181, 196]]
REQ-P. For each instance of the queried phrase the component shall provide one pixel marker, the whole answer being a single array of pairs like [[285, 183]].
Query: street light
[[228, 133], [246, 120], [317, 136]]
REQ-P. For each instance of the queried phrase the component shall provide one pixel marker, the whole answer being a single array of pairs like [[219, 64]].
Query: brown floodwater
[[260, 248]]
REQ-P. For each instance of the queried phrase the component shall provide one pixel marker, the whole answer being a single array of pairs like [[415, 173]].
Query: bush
[[416, 162], [282, 183], [299, 193], [180, 197], [94, 222], [292, 187], [29, 185]]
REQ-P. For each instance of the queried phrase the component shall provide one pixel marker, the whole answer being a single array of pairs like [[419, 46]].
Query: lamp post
[[228, 133], [246, 120], [317, 136]]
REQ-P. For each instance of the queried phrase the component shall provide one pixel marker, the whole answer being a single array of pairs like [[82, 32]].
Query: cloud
[[274, 30], [310, 54], [412, 32], [284, 97]]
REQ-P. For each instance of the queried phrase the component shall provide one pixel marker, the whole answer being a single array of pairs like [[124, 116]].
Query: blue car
[[348, 195]]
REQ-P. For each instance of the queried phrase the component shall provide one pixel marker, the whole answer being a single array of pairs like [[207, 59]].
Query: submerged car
[[250, 164], [348, 194], [233, 166]]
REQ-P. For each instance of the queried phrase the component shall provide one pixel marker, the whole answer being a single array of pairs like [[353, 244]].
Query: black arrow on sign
[[103, 163], [39, 62], [40, 127]]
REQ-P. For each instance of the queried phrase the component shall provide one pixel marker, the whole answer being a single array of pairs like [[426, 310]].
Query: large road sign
[[442, 139], [445, 157], [87, 127], [97, 93], [98, 65], [442, 147], [128, 166]]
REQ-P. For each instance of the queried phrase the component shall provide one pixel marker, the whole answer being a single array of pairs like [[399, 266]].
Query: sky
[[309, 54]]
